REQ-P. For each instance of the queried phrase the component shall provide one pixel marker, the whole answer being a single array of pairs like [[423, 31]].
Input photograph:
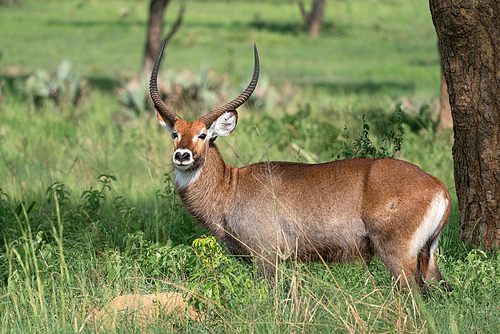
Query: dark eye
[[202, 136], [174, 135]]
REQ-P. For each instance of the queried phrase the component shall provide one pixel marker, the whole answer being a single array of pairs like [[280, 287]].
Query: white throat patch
[[184, 178]]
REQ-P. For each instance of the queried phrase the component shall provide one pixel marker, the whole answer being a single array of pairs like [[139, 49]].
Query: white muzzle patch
[[182, 159]]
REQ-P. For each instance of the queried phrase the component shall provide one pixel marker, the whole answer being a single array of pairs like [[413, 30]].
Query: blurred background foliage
[[372, 58]]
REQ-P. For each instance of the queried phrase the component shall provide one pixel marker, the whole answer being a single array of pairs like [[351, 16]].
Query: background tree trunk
[[313, 19], [155, 33], [445, 120], [469, 42]]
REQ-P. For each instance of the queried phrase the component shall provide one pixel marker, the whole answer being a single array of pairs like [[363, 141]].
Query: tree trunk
[[313, 19], [469, 42], [155, 34], [155, 28], [445, 120]]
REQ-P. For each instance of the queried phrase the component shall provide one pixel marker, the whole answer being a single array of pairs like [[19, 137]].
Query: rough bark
[[313, 19], [445, 120], [155, 33], [469, 42]]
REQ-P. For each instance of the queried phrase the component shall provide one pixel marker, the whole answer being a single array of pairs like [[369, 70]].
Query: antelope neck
[[206, 196]]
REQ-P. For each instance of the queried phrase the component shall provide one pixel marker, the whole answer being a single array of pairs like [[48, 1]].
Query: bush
[[61, 88], [391, 139]]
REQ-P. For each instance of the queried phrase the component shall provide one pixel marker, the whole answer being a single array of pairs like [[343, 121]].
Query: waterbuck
[[341, 210]]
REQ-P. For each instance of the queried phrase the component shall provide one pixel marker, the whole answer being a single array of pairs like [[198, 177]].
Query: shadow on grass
[[10, 80], [295, 28], [102, 83], [93, 23], [371, 87], [285, 28]]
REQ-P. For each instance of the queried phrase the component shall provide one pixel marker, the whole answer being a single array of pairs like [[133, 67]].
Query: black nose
[[182, 156]]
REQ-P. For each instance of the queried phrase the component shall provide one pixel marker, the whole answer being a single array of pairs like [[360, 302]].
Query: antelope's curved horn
[[209, 118], [160, 106]]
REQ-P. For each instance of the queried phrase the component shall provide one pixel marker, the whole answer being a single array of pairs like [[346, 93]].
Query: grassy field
[[87, 207]]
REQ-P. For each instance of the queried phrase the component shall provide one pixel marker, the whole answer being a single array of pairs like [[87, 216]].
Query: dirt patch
[[145, 309]]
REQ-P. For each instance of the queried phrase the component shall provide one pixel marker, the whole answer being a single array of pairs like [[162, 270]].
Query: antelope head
[[191, 139]]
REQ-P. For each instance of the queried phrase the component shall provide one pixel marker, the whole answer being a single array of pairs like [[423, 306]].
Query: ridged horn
[[162, 108], [209, 118]]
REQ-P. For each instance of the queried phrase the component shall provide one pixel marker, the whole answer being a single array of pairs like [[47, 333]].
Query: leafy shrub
[[94, 199], [178, 223], [169, 262], [473, 272], [204, 269], [417, 115], [313, 134], [299, 134], [364, 147], [220, 278]]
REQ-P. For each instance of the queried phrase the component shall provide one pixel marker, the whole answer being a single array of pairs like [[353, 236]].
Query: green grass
[[370, 46], [62, 262], [108, 237]]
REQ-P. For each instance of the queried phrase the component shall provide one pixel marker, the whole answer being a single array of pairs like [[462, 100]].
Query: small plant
[[4, 205], [210, 254], [61, 88], [59, 190], [133, 96], [265, 97], [167, 193], [474, 271], [417, 115], [363, 146], [94, 199], [221, 278]]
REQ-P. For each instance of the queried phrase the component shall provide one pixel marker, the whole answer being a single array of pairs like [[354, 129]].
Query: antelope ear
[[224, 125], [164, 122]]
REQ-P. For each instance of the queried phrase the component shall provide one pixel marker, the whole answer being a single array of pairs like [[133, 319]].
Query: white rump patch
[[428, 226], [184, 178]]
